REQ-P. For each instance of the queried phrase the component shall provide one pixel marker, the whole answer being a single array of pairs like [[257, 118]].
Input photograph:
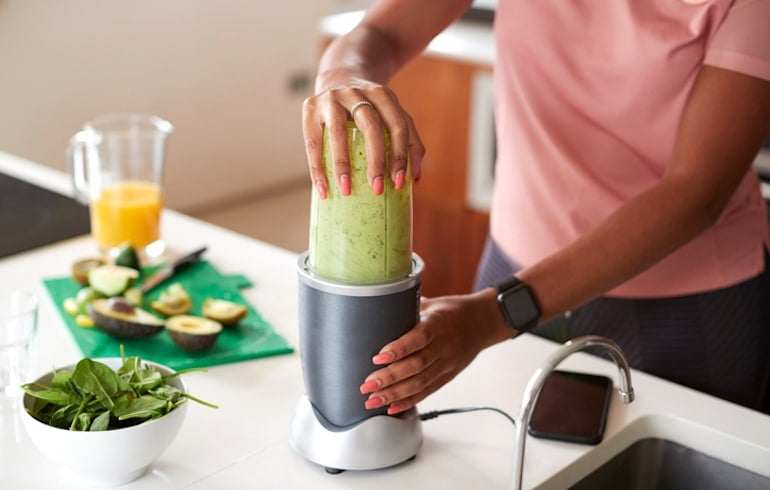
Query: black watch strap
[[517, 303]]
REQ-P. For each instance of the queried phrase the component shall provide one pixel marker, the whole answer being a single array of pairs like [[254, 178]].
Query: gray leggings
[[717, 342]]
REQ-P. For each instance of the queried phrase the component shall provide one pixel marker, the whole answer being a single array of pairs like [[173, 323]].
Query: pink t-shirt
[[589, 94]]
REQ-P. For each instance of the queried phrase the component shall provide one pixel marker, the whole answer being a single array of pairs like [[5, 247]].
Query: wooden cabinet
[[448, 234]]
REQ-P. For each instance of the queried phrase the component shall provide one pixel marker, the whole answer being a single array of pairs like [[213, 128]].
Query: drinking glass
[[18, 328]]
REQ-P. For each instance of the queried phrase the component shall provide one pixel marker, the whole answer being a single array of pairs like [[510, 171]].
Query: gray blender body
[[342, 326]]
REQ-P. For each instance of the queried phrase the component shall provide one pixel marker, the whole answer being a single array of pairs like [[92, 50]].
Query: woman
[[624, 195]]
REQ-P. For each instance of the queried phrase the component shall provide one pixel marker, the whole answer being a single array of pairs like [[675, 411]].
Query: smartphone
[[572, 407]]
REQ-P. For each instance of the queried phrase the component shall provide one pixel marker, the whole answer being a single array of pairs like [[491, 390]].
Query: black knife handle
[[189, 258]]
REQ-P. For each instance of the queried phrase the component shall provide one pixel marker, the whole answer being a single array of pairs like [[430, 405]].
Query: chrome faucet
[[537, 380]]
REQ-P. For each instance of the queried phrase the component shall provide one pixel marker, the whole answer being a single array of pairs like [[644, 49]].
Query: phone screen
[[572, 407]]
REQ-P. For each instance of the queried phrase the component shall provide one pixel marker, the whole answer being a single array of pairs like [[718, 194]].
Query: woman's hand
[[351, 84], [451, 332], [374, 108]]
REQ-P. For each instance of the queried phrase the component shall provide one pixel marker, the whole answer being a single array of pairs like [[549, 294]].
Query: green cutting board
[[251, 338]]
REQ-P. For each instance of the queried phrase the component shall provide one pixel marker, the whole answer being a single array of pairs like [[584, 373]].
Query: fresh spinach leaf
[[146, 406], [60, 379], [99, 380], [102, 422], [54, 396]]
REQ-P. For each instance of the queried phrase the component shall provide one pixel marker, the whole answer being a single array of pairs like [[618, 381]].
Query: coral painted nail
[[345, 184], [378, 185], [320, 188], [382, 358], [399, 180], [370, 386], [374, 402], [395, 408]]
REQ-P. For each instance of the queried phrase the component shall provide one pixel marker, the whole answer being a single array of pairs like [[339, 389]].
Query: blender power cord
[[435, 413]]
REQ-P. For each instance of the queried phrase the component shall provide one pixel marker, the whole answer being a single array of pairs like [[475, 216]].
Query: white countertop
[[245, 442]]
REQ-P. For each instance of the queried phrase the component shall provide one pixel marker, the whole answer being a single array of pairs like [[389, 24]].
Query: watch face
[[519, 307]]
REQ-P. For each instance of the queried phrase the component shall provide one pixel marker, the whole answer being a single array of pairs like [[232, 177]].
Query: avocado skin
[[184, 330], [193, 342], [122, 325]]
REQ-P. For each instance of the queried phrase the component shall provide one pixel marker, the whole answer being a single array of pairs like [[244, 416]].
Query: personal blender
[[359, 288]]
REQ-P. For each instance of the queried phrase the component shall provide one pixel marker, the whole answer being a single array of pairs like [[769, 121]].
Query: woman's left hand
[[451, 332]]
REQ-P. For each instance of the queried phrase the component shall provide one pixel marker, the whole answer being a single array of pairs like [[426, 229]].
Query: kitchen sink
[[662, 464], [667, 452]]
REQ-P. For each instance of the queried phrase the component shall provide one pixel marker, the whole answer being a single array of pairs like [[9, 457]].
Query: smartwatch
[[518, 304]]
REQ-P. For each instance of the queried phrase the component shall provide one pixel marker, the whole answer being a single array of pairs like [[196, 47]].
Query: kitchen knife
[[169, 270]]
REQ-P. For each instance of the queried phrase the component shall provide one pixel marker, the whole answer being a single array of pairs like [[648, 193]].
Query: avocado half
[[193, 333], [80, 269], [223, 311], [174, 300], [119, 318]]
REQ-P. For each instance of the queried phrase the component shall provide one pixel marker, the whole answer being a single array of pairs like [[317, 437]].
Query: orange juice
[[127, 212]]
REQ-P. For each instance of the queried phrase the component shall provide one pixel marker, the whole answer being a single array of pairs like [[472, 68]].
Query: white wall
[[220, 71]]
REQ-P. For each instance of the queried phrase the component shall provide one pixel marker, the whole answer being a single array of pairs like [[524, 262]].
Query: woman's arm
[[725, 122]]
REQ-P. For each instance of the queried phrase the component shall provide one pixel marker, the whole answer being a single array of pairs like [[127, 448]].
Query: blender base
[[377, 442]]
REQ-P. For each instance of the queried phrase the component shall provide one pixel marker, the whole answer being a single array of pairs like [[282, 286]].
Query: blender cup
[[362, 238]]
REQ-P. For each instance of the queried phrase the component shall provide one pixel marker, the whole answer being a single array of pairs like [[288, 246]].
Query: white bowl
[[110, 457]]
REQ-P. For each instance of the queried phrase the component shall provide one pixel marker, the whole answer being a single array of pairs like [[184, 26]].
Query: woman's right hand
[[374, 108], [351, 80]]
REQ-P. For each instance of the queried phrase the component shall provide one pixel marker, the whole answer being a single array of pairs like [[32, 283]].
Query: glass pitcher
[[117, 165]]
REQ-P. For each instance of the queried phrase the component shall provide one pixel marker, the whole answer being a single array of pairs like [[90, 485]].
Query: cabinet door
[[450, 242], [447, 234]]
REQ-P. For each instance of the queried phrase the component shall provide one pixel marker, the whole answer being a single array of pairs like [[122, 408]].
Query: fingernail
[[395, 408], [418, 177], [370, 386], [320, 188], [382, 358], [345, 184], [378, 185], [374, 402], [399, 180]]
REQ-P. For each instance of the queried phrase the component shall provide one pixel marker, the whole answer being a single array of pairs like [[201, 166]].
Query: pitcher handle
[[76, 159]]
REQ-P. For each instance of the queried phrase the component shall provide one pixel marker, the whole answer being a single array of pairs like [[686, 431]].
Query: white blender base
[[377, 442]]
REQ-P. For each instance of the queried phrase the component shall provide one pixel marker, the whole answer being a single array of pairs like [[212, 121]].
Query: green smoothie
[[361, 238]]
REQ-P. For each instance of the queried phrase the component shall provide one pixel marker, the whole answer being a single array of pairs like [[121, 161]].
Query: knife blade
[[169, 270]]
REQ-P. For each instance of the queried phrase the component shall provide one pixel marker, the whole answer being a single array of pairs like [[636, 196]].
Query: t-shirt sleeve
[[742, 42]]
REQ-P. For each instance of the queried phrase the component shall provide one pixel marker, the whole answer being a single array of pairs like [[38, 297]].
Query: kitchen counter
[[245, 443]]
